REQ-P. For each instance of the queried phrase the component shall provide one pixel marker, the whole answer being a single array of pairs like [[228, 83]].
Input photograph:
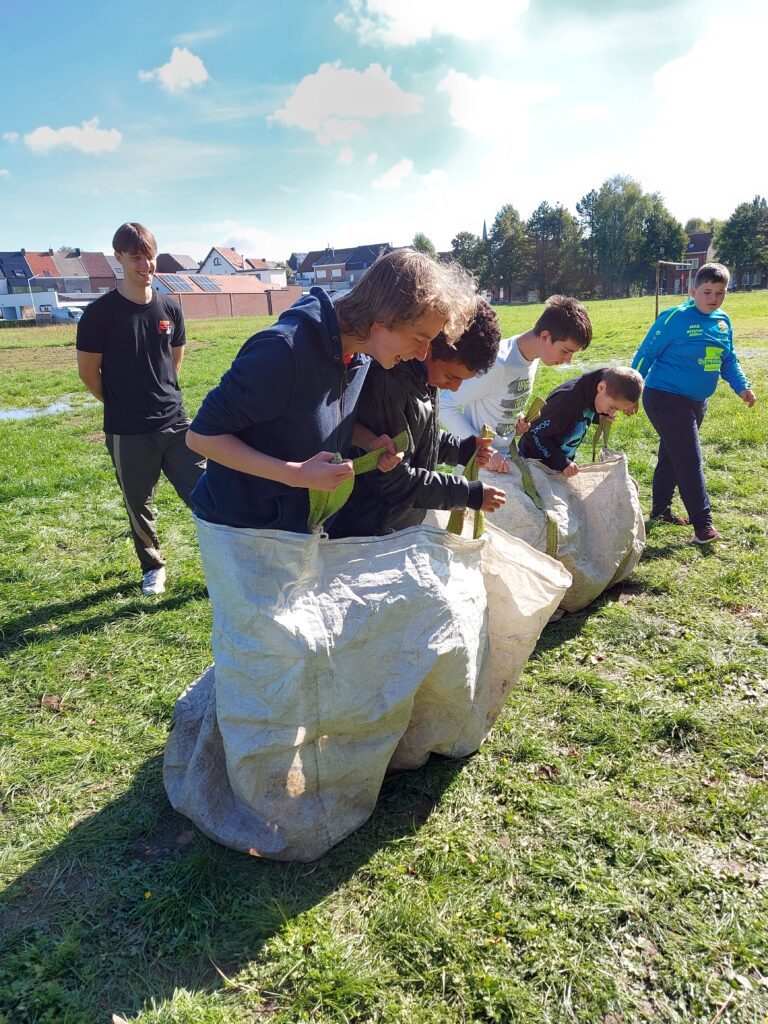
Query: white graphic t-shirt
[[496, 398]]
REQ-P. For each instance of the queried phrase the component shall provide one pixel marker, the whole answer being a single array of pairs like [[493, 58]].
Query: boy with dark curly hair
[[407, 397]]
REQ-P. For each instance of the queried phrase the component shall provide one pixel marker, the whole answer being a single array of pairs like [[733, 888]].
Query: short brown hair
[[135, 238], [478, 346], [717, 273], [566, 320], [404, 285], [623, 382]]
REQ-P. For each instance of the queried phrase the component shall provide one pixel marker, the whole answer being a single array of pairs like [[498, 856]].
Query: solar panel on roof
[[177, 283], [207, 283]]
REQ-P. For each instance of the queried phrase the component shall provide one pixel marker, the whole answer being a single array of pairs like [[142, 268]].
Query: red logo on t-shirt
[[164, 327]]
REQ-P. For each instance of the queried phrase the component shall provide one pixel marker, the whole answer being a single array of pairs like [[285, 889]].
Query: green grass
[[603, 858]]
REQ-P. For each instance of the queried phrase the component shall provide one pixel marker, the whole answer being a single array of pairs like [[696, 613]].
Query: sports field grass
[[603, 858]]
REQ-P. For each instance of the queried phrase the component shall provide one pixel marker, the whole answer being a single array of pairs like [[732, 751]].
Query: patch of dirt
[[38, 358]]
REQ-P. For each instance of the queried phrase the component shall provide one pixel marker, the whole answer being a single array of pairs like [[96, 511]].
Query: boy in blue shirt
[[683, 356]]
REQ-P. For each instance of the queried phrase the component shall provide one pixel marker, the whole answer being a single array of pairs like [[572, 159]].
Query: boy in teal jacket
[[684, 354]]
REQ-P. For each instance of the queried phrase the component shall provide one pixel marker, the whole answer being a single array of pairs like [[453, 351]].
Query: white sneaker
[[154, 581]]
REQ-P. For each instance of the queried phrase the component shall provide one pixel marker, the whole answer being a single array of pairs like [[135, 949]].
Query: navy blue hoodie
[[287, 394]]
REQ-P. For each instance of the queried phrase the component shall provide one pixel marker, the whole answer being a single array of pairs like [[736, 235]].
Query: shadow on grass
[[134, 903], [35, 625]]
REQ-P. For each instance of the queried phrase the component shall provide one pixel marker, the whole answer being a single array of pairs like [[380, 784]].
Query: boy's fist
[[483, 450], [748, 396], [497, 463], [571, 469], [522, 426], [493, 498]]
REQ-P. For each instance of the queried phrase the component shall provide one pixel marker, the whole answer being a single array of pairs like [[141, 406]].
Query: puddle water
[[31, 412]]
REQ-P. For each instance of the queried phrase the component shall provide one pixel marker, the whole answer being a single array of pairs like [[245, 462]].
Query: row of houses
[[37, 284], [224, 283]]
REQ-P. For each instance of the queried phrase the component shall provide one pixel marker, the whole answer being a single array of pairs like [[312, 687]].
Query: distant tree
[[554, 240], [695, 225], [423, 244], [471, 252], [65, 250], [586, 209], [742, 242], [663, 239], [628, 231], [508, 264]]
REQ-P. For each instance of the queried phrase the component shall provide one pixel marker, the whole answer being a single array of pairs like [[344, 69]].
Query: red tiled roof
[[231, 256], [257, 264], [96, 264], [41, 264], [69, 265]]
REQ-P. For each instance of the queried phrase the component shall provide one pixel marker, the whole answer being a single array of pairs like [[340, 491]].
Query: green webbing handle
[[324, 504], [457, 517], [602, 430], [531, 490]]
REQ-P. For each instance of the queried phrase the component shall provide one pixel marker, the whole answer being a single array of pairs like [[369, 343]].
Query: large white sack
[[335, 660], [600, 532]]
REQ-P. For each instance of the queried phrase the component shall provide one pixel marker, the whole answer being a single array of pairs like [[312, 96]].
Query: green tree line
[[608, 250]]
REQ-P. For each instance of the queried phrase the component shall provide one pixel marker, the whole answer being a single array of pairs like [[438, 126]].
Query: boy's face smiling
[[556, 353], [609, 405], [138, 268], [390, 345], [709, 296], [446, 374]]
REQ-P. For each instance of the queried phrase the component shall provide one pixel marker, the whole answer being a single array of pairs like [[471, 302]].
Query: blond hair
[[404, 285]]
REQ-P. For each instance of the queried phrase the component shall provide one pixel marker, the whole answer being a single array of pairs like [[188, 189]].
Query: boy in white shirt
[[499, 397]]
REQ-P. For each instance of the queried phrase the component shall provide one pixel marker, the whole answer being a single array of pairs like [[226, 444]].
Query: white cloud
[[346, 155], [11, 136], [588, 112], [346, 197], [404, 22], [181, 72], [88, 138], [101, 193], [395, 176], [714, 118], [201, 36], [372, 158], [480, 105], [335, 101], [4, 172]]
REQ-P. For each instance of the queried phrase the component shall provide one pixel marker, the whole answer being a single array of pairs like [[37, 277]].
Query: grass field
[[603, 858]]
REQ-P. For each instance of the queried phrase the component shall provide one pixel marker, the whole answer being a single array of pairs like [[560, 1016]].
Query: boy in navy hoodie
[[685, 353], [288, 402], [572, 408]]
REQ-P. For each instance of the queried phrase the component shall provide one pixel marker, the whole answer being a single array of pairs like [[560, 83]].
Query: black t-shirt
[[139, 382]]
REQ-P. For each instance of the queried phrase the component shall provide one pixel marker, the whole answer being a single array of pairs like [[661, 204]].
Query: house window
[[216, 261], [45, 309], [694, 263], [321, 273], [336, 272]]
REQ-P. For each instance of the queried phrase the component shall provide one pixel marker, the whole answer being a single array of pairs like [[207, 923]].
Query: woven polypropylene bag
[[335, 660], [600, 532]]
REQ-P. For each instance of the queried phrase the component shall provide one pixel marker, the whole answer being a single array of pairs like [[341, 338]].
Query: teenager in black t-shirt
[[130, 344]]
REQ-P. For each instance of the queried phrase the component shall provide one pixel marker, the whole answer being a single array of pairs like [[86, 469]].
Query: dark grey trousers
[[139, 459]]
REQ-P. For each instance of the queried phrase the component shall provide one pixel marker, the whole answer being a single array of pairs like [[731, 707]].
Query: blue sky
[[352, 121]]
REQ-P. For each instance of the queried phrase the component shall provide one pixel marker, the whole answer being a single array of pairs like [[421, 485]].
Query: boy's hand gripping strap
[[324, 504], [458, 515]]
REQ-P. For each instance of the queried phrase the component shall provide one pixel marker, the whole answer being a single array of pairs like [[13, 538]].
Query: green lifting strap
[[602, 430], [457, 517], [324, 504], [531, 490]]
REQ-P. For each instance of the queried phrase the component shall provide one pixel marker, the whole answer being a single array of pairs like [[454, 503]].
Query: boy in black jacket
[[407, 397], [571, 409]]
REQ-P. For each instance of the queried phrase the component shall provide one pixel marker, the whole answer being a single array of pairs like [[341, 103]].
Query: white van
[[67, 314]]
